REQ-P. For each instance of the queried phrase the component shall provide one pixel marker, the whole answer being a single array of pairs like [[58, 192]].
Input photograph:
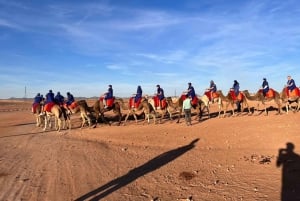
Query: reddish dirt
[[232, 158]]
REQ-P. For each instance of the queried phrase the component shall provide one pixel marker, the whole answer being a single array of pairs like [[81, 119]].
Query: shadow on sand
[[137, 172], [290, 162], [24, 134], [24, 124]]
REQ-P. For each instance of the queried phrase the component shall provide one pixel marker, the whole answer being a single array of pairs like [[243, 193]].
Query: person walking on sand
[[186, 108]]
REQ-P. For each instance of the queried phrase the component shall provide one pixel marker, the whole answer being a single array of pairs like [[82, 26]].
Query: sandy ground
[[232, 158]]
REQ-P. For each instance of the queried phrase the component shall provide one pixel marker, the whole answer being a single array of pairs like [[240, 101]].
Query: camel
[[99, 110], [205, 101], [293, 98], [60, 116], [230, 101], [36, 110], [85, 112], [252, 101], [177, 107], [145, 107], [162, 111], [266, 102]]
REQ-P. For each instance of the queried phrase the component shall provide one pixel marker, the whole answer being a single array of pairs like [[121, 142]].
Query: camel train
[[169, 107]]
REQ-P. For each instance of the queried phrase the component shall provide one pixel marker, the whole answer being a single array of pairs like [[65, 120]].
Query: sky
[[83, 46]]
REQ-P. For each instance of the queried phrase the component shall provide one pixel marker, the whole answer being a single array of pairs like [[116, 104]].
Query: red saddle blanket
[[49, 106], [157, 103], [239, 97], [133, 104], [269, 94], [211, 95], [34, 107], [194, 101], [109, 102], [294, 93], [73, 105]]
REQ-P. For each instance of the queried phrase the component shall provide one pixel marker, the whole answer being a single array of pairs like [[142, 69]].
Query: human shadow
[[290, 162], [137, 172]]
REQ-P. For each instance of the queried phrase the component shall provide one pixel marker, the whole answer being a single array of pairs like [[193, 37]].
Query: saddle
[[49, 106], [269, 94], [194, 102], [109, 102], [294, 93], [133, 104], [159, 103], [210, 95], [73, 105], [34, 107], [239, 97]]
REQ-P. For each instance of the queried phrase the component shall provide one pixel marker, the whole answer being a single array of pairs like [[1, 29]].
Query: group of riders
[[107, 98], [52, 99]]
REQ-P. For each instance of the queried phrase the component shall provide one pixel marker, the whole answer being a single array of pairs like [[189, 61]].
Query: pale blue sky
[[82, 46]]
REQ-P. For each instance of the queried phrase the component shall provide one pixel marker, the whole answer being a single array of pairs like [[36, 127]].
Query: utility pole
[[25, 95]]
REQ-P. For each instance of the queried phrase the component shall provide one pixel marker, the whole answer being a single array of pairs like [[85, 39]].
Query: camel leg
[[97, 115], [179, 116], [135, 118], [46, 122], [220, 105], [89, 120], [154, 118], [266, 111], [55, 123], [120, 119], [207, 110], [162, 116], [59, 123], [69, 123], [128, 114], [170, 114], [103, 119], [63, 124], [38, 120], [146, 117], [126, 118], [287, 108], [83, 120], [225, 110], [219, 115], [201, 111], [297, 108]]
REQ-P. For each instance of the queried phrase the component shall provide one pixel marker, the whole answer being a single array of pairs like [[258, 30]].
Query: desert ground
[[232, 158]]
